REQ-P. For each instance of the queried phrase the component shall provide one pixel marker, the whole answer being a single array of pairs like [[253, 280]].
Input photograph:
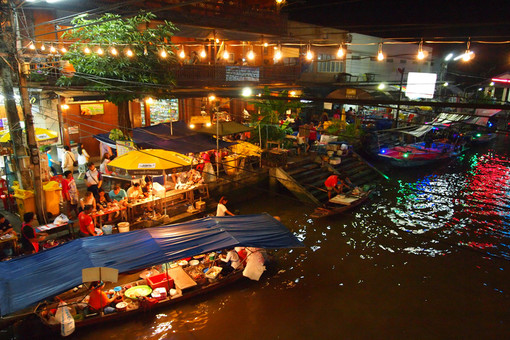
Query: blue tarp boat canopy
[[174, 136], [26, 280]]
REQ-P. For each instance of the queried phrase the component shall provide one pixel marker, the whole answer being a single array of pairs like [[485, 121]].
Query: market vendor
[[98, 300], [221, 210], [231, 258], [29, 238], [87, 227], [334, 183]]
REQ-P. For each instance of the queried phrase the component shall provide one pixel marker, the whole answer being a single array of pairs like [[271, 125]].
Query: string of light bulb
[[163, 50]]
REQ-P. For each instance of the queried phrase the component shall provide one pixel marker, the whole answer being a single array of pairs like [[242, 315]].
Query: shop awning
[[26, 280]]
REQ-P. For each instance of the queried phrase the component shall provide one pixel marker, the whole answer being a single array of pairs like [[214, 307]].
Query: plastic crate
[[160, 281]]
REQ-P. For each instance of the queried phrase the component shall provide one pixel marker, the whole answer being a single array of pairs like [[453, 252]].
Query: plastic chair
[[6, 196]]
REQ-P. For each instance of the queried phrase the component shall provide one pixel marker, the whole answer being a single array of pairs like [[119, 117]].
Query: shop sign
[[146, 165], [242, 73], [91, 109]]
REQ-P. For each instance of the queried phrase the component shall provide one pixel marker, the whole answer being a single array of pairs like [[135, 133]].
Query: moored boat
[[341, 203], [32, 279], [418, 154]]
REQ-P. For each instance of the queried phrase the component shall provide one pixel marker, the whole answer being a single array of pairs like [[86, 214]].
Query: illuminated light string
[[99, 50]]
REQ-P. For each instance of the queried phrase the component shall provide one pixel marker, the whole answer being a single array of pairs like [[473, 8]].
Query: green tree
[[269, 113], [120, 77]]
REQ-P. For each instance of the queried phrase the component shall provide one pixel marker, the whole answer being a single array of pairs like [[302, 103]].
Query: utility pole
[[10, 68], [401, 71]]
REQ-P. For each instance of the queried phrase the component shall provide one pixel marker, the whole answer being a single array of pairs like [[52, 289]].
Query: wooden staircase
[[305, 178]]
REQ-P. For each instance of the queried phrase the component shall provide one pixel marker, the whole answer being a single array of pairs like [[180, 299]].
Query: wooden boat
[[418, 154], [341, 203], [202, 287], [52, 272]]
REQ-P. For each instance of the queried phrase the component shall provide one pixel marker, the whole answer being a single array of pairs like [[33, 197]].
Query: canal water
[[427, 257]]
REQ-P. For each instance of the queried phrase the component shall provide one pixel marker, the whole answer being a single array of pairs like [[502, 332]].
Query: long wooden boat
[[348, 202], [28, 280], [43, 311], [419, 154]]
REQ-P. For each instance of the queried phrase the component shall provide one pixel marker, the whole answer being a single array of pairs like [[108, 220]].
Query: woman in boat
[[99, 300], [221, 210], [232, 261]]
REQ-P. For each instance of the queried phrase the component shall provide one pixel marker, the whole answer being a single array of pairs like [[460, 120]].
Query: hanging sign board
[[91, 109], [242, 73]]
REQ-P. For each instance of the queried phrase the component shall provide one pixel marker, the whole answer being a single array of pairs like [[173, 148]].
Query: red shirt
[[313, 134], [85, 221], [98, 299], [65, 189], [332, 181]]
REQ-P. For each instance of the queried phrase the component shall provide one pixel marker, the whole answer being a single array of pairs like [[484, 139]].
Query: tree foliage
[[269, 113], [121, 78]]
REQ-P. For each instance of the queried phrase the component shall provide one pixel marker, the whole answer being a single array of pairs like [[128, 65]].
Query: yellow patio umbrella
[[42, 136], [150, 162], [246, 149]]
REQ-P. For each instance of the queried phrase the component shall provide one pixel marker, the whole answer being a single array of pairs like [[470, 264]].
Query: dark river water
[[427, 257]]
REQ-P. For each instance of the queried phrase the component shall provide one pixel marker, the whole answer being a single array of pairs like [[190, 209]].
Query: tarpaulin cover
[[185, 145], [224, 129], [176, 136], [27, 280]]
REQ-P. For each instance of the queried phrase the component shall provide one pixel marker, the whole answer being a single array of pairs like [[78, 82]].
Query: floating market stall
[[27, 280]]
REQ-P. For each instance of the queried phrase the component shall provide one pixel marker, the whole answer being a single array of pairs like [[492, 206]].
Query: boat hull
[[235, 276], [330, 210]]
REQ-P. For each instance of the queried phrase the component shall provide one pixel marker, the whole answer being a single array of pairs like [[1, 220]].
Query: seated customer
[[98, 300], [87, 227], [118, 195], [104, 200], [88, 199], [29, 238], [134, 192]]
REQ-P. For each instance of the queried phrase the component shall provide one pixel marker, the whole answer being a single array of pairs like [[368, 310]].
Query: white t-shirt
[[233, 257], [220, 211], [83, 158]]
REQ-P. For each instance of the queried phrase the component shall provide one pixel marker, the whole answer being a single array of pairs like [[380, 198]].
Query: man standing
[[93, 180], [87, 227], [70, 193], [68, 160]]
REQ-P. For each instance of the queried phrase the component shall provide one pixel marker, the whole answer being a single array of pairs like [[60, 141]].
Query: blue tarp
[[26, 280], [183, 140]]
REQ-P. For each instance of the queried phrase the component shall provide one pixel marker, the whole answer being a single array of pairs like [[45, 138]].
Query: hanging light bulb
[[341, 52], [421, 54], [53, 49], [99, 51], [468, 54], [309, 54], [278, 54], [182, 55], [43, 48], [129, 53], [149, 100], [266, 44], [31, 46], [203, 54], [163, 54], [380, 55], [86, 50], [63, 49], [251, 55], [226, 55], [217, 40], [113, 51]]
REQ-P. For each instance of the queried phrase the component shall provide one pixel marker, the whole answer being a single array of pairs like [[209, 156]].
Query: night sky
[[415, 19]]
